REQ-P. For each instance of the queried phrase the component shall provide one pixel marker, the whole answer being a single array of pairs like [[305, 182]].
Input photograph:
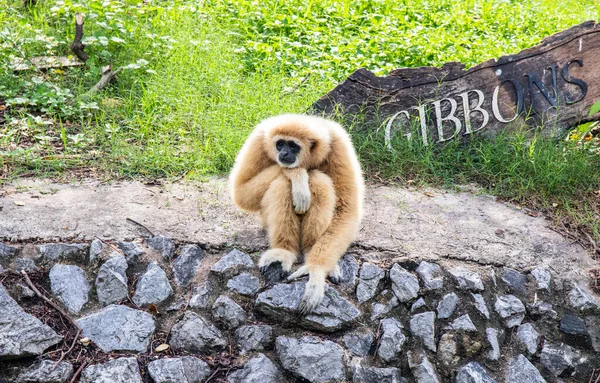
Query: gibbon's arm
[[252, 173]]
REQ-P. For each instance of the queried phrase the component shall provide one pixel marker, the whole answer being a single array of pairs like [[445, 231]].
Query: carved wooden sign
[[552, 85]]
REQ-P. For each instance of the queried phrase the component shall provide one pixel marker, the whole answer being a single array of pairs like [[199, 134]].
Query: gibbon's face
[[289, 152]]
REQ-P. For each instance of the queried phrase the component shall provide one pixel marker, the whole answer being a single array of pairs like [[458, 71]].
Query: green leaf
[[595, 108]]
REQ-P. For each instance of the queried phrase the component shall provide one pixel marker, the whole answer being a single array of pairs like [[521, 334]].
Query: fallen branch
[[48, 300], [77, 47], [76, 374], [64, 354], [140, 225], [107, 76]]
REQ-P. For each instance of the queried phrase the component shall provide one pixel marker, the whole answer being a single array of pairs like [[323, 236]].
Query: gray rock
[[529, 337], [132, 251], [558, 358], [423, 326], [370, 276], [404, 284], [163, 245], [419, 303], [7, 252], [121, 370], [193, 333], [514, 280], [201, 296], [480, 305], [511, 309], [245, 284], [153, 287], [447, 351], [422, 368], [467, 279], [230, 313], [574, 325], [281, 303], [254, 338], [187, 369], [462, 323], [582, 299], [348, 269], [359, 342], [379, 310], [447, 305], [46, 372], [311, 358], [392, 339], [25, 264], [111, 281], [53, 252], [520, 370], [95, 250], [592, 324], [431, 275], [259, 369], [186, 264], [473, 373], [542, 309], [367, 374], [69, 284], [22, 334], [233, 263], [492, 338], [118, 328], [24, 292], [542, 277], [177, 305]]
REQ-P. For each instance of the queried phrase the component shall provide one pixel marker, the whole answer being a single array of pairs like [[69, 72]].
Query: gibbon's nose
[[287, 158]]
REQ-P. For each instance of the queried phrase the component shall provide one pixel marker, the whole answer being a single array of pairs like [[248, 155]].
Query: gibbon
[[301, 174]]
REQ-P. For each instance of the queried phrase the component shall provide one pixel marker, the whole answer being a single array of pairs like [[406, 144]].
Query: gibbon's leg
[[283, 227], [318, 218]]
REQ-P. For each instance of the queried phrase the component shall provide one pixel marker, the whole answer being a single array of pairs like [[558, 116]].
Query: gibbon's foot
[[314, 289], [273, 273], [335, 276]]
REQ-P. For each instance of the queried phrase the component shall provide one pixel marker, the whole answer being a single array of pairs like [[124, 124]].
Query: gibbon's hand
[[300, 189]]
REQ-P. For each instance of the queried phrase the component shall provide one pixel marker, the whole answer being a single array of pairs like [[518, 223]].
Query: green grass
[[206, 72]]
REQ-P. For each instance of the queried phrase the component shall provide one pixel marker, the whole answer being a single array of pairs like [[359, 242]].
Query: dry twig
[[76, 374], [140, 225]]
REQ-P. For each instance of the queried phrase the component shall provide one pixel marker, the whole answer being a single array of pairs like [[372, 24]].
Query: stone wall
[[415, 321]]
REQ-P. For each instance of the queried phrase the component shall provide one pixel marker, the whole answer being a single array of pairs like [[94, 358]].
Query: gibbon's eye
[[279, 145], [294, 148]]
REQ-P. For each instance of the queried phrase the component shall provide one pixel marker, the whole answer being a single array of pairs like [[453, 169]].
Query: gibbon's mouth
[[287, 165]]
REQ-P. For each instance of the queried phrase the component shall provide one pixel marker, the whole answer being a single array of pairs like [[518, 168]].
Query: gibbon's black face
[[288, 151]]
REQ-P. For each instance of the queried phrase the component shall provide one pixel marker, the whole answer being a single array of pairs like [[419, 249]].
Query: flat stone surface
[[259, 369], [186, 264], [6, 251], [542, 309], [47, 372], [462, 323], [348, 269], [132, 251], [511, 309], [423, 326], [467, 279], [194, 333], [447, 305], [448, 350], [370, 276], [515, 280], [53, 252], [559, 357], [187, 369], [581, 298], [422, 368], [111, 281], [392, 339], [419, 303], [542, 277], [396, 220], [492, 339], [163, 245], [95, 250], [593, 326], [227, 311], [69, 284], [118, 328], [153, 287], [520, 370], [574, 325], [359, 341], [473, 372], [22, 334], [281, 303], [121, 370], [431, 275], [367, 374], [311, 358], [201, 296], [245, 284], [480, 305], [232, 263], [254, 338], [25, 264], [529, 337], [404, 284]]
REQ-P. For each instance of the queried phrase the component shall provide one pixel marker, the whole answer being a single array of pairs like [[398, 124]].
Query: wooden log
[[551, 85]]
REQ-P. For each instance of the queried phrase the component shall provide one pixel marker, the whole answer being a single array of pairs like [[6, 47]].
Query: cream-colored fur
[[312, 207]]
